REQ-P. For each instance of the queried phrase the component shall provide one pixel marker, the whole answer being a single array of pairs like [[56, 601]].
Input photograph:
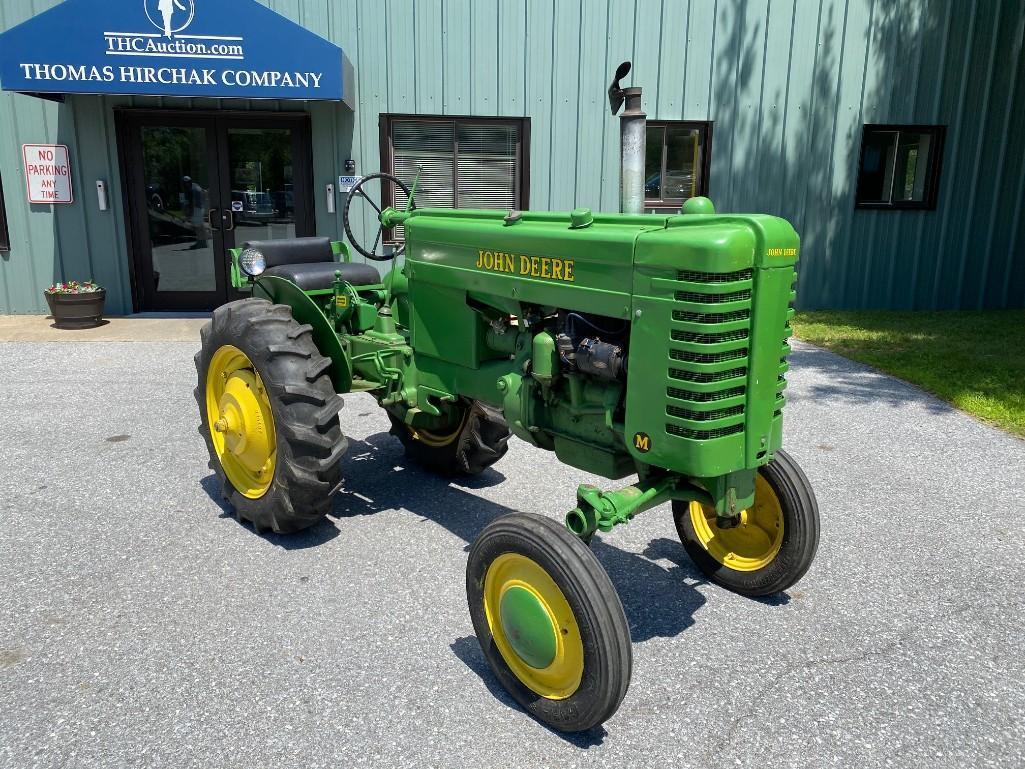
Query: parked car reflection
[[284, 204], [256, 207], [677, 186]]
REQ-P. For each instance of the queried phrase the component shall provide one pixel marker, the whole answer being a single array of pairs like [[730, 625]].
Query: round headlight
[[252, 262]]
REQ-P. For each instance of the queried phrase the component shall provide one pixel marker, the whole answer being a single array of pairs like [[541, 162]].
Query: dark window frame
[[933, 168], [5, 233], [522, 151], [704, 166]]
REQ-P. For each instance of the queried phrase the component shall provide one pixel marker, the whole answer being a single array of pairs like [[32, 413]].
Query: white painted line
[[173, 55], [208, 37]]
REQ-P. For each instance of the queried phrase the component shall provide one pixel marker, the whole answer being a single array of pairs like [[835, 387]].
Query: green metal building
[[888, 131]]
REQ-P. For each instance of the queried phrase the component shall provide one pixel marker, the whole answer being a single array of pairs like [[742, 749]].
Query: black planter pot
[[77, 310]]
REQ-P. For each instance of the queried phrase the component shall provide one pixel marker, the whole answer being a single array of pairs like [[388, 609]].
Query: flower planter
[[83, 310]]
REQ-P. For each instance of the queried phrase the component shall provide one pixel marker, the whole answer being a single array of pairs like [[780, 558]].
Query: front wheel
[[549, 621], [773, 546]]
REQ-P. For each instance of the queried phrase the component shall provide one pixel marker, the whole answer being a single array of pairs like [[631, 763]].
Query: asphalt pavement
[[142, 626]]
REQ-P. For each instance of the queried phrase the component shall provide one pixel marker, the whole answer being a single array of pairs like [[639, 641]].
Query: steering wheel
[[360, 191]]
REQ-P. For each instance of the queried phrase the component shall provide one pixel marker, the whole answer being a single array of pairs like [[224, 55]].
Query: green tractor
[[645, 345]]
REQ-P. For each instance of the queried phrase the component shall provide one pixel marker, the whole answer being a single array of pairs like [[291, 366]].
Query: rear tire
[[549, 621], [307, 438], [479, 439]]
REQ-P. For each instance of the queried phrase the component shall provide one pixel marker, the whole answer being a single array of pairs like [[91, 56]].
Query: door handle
[[229, 218], [210, 215]]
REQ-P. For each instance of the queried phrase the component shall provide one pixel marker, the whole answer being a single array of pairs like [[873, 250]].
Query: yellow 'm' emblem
[[642, 442]]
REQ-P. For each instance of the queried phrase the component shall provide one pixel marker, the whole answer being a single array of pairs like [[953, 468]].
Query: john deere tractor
[[645, 346]]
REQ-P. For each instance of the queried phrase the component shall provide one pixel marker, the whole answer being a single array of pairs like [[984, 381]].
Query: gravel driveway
[[141, 625]]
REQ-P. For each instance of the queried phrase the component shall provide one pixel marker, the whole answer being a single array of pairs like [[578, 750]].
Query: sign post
[[48, 173]]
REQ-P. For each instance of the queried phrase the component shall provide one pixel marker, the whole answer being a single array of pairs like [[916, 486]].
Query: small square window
[[676, 162], [900, 166]]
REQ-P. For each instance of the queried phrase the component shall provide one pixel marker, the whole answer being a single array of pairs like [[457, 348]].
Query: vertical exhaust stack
[[632, 129]]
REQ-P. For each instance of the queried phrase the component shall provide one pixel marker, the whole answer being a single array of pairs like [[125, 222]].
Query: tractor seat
[[318, 275], [310, 264]]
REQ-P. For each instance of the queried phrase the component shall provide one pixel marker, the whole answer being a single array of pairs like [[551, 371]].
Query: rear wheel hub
[[241, 421]]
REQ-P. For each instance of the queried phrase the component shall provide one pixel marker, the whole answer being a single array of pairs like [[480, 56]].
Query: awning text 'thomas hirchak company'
[[230, 78]]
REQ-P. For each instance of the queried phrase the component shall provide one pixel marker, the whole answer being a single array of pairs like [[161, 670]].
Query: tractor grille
[[690, 276], [781, 380], [704, 435], [711, 317], [708, 354], [725, 336], [708, 357], [704, 416], [690, 296], [707, 376], [696, 397]]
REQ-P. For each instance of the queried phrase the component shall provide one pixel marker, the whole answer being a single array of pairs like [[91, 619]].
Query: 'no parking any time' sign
[[47, 173]]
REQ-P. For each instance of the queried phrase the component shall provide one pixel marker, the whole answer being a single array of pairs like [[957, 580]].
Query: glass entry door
[[201, 185], [261, 174]]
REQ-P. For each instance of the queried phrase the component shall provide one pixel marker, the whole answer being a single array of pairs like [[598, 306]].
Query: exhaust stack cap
[[617, 94]]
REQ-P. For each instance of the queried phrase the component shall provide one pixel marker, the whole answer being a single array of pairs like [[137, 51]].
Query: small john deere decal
[[642, 442], [342, 300]]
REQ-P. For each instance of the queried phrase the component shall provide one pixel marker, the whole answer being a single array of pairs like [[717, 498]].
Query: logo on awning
[[190, 48], [170, 16]]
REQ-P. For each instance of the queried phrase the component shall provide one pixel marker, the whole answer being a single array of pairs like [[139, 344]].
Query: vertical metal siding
[[788, 85]]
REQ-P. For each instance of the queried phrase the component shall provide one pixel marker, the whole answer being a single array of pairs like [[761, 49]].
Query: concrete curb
[[132, 328]]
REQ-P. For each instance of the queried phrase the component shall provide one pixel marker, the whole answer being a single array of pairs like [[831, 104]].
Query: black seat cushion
[[294, 250], [309, 263], [318, 275]]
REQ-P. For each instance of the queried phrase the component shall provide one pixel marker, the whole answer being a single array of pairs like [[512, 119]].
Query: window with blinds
[[463, 162]]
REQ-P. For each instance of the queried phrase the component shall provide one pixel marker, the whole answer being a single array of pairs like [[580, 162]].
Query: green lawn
[[974, 360]]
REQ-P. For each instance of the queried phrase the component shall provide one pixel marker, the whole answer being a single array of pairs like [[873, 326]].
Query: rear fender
[[305, 310]]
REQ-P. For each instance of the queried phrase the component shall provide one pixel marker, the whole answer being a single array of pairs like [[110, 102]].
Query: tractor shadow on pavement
[[467, 649], [658, 588], [322, 532], [659, 601]]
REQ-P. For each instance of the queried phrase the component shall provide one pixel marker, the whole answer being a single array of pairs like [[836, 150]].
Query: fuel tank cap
[[580, 218]]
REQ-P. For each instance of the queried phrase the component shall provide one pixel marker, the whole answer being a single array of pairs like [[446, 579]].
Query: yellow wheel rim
[[533, 626], [437, 440], [754, 543], [241, 423]]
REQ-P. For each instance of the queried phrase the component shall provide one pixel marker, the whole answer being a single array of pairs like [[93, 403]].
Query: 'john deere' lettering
[[545, 267]]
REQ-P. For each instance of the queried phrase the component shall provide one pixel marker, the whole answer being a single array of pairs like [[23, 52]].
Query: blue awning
[[214, 48]]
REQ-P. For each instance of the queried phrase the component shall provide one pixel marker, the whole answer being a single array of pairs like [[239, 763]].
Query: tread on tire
[[482, 440], [304, 404]]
